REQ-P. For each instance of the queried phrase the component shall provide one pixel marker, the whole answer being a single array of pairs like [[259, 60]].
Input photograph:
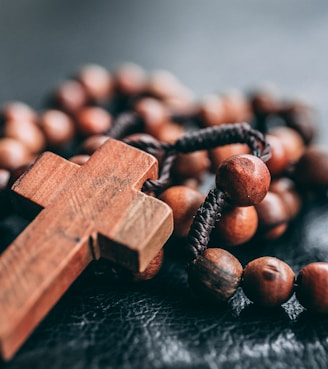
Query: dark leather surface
[[101, 322]]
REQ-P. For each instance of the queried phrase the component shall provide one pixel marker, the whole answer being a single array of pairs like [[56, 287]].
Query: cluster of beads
[[154, 112]]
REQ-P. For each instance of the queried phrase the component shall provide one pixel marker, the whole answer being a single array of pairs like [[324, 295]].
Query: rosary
[[131, 181]]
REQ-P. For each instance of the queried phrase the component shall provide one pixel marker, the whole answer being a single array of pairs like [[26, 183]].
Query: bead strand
[[96, 104]]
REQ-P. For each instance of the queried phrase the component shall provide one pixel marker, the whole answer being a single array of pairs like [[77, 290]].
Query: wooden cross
[[96, 210]]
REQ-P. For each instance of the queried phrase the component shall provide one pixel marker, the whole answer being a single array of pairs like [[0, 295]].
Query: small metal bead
[[268, 281], [215, 275], [312, 287], [245, 179]]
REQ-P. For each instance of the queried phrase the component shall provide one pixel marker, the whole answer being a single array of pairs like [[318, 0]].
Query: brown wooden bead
[[170, 132], [97, 82], [264, 102], [244, 178], [268, 281], [79, 159], [58, 127], [212, 111], [184, 104], [163, 84], [71, 96], [184, 203], [236, 107], [291, 140], [130, 79], [93, 120], [312, 169], [302, 118], [27, 132], [285, 188], [215, 275], [92, 143], [152, 269], [273, 216], [312, 287], [278, 162], [236, 226], [4, 179], [192, 165], [13, 154], [219, 154], [153, 114], [18, 111]]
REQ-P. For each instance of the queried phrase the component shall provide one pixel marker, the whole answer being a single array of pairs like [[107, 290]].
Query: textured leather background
[[210, 45]]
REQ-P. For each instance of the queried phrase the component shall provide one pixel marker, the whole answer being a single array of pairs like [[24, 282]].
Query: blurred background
[[210, 45]]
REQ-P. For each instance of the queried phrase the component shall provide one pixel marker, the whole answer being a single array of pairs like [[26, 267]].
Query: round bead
[[93, 120], [236, 107], [285, 188], [215, 275], [152, 269], [163, 84], [291, 140], [192, 165], [18, 111], [92, 143], [97, 82], [27, 132], [79, 159], [312, 169], [212, 111], [264, 101], [71, 96], [184, 203], [219, 154], [302, 118], [273, 216], [245, 179], [312, 287], [13, 154], [153, 114], [236, 226], [170, 132], [4, 179], [130, 79], [58, 127], [279, 158], [268, 281]]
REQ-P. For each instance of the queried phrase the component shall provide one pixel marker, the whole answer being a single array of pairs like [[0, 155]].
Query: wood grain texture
[[89, 211]]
